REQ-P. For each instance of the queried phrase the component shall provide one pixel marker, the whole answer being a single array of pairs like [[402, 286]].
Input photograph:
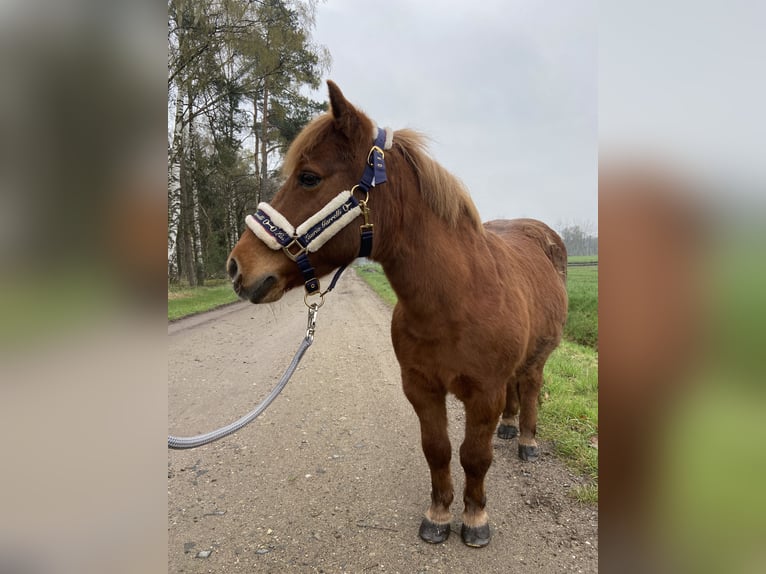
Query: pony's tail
[[552, 245], [557, 253]]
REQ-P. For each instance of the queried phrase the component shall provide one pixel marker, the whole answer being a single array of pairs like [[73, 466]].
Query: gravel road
[[331, 477]]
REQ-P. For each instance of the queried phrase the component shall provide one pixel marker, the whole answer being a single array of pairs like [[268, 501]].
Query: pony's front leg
[[482, 412], [428, 398]]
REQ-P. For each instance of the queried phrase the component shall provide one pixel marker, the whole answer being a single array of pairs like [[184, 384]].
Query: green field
[[582, 321]]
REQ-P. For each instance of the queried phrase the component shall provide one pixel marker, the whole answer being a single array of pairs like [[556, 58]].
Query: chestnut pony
[[480, 307]]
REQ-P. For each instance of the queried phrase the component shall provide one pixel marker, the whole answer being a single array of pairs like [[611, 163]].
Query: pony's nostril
[[232, 268]]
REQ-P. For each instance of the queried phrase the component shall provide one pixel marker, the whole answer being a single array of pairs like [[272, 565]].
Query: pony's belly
[[457, 372]]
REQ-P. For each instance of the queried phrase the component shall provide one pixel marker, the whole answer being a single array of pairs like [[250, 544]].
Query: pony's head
[[328, 157]]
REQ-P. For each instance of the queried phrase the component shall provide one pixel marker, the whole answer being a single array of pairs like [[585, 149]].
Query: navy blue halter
[[297, 247], [374, 174]]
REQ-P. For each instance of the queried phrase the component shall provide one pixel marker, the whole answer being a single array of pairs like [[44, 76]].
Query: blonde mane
[[443, 192]]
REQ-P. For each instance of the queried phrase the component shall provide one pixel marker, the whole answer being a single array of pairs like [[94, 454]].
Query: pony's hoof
[[507, 431], [476, 537], [529, 453], [434, 533]]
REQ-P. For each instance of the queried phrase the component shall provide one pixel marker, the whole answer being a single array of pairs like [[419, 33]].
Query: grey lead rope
[[175, 442]]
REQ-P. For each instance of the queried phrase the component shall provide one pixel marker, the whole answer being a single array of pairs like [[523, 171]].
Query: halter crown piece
[[276, 232]]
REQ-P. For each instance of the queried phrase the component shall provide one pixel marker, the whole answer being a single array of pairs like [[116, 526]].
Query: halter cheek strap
[[276, 232]]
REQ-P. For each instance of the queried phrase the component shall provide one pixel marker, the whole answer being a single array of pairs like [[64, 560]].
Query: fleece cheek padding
[[333, 227], [271, 216]]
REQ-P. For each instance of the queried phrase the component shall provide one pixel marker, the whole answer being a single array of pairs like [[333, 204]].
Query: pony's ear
[[346, 116]]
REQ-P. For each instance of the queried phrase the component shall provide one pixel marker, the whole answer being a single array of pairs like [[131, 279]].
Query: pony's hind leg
[[429, 401], [530, 383], [509, 424], [482, 411]]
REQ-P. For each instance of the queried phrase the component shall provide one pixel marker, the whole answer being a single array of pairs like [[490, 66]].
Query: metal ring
[[365, 191], [315, 305]]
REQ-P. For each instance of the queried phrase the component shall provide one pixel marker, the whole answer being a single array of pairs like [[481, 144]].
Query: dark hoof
[[434, 533], [529, 453], [507, 431], [476, 537]]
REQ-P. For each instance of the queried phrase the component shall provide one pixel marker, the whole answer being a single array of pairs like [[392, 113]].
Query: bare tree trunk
[[256, 149], [199, 260], [187, 202], [187, 225], [264, 140], [175, 150], [196, 236]]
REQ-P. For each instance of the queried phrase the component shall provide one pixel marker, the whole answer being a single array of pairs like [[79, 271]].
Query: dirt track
[[331, 477]]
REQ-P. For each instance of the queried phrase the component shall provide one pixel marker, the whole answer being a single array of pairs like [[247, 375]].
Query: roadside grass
[[568, 416], [372, 274], [184, 300]]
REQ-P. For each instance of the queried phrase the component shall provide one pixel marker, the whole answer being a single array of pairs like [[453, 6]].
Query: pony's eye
[[309, 180]]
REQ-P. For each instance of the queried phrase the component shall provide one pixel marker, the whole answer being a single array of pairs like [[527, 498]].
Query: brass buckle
[[363, 207], [369, 155], [294, 255]]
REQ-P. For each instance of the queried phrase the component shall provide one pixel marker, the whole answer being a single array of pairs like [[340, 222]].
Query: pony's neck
[[429, 262]]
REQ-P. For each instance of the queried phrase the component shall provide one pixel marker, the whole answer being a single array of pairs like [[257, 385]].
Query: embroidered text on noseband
[[276, 232]]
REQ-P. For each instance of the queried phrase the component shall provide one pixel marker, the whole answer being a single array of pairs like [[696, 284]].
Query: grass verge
[[568, 415], [183, 301], [372, 274]]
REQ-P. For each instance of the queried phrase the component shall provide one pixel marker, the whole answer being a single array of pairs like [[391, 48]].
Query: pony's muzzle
[[261, 291]]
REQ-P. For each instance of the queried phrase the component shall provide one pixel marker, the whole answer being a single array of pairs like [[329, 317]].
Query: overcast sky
[[506, 90]]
